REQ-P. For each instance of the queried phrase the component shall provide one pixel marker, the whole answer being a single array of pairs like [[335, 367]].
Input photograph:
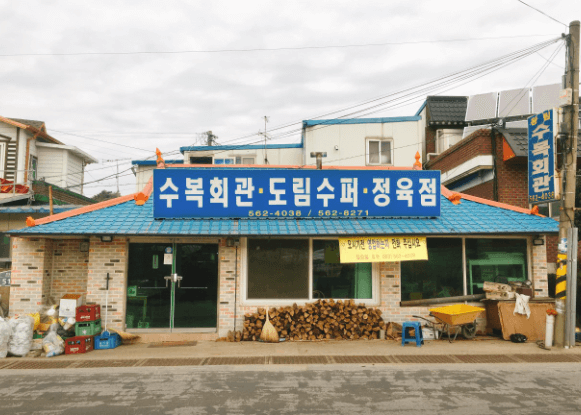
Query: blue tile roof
[[37, 209], [466, 218]]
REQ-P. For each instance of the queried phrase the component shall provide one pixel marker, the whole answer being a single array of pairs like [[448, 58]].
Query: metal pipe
[[428, 301]]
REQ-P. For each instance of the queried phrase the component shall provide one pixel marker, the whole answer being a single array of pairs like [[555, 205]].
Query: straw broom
[[269, 333]]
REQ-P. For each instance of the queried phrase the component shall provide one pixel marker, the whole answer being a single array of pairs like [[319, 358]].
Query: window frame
[[233, 159], [375, 299], [380, 140], [529, 253], [3, 150]]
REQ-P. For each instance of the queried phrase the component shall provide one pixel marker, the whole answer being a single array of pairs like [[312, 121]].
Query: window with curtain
[[440, 276], [278, 269], [332, 279]]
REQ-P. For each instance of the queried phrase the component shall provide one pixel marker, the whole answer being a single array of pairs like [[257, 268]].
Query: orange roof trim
[[17, 124], [101, 205], [455, 198]]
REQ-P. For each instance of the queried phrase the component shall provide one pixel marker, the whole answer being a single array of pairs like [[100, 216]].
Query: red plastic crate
[[88, 313], [79, 344]]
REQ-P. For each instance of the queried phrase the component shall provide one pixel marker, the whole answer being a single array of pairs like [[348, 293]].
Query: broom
[[269, 333]]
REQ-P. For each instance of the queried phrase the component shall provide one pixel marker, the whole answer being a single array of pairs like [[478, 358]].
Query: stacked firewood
[[324, 319]]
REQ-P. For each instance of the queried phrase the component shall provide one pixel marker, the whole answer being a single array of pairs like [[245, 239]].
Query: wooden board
[[5, 300], [496, 286], [533, 328], [500, 295]]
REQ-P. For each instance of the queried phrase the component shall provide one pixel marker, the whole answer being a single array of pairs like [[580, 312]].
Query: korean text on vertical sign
[[543, 184], [380, 249], [294, 193]]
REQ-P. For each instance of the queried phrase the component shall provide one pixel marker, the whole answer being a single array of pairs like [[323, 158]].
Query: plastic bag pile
[[21, 340]]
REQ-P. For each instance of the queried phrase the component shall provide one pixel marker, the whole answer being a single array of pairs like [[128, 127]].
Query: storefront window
[[331, 279], [496, 260], [278, 269], [440, 276]]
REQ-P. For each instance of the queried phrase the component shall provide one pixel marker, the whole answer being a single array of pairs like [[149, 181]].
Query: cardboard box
[[68, 305]]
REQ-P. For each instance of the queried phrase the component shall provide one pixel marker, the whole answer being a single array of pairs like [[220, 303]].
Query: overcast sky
[[143, 101]]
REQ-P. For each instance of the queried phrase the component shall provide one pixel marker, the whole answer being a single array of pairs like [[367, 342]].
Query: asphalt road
[[330, 389]]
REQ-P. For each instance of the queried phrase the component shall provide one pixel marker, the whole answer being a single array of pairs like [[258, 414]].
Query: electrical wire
[[200, 51], [542, 12], [482, 69]]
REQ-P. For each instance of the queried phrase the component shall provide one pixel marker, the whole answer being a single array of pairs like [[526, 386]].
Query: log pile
[[324, 319]]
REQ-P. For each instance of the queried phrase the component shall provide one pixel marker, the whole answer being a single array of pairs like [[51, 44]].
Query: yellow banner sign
[[398, 248]]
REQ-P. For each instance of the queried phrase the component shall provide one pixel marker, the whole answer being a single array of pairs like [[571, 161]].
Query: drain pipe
[[319, 156], [235, 287]]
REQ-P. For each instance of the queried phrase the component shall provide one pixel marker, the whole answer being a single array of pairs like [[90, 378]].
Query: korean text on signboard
[[541, 173], [378, 249], [286, 193]]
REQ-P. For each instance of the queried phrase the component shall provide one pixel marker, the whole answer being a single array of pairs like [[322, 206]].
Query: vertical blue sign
[[541, 173]]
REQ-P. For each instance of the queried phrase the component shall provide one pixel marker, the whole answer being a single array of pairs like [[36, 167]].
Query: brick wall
[[69, 271], [31, 274], [108, 257], [539, 267], [430, 140], [484, 190], [477, 143]]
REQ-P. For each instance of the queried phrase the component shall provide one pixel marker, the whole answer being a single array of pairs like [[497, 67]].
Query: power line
[[543, 13], [480, 70], [357, 45], [100, 140]]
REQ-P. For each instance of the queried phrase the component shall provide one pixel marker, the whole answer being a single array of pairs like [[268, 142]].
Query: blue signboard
[[541, 172], [294, 193]]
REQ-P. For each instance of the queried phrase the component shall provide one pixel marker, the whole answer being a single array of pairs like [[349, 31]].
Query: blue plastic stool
[[407, 338]]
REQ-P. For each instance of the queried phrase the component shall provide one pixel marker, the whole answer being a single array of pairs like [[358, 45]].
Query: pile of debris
[[498, 291], [324, 319]]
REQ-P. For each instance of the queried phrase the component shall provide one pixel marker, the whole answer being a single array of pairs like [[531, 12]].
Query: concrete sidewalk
[[208, 349]]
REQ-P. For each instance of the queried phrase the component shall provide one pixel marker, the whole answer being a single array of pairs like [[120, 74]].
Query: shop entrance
[[157, 302]]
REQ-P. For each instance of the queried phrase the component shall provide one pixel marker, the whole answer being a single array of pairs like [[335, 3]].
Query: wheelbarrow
[[457, 318]]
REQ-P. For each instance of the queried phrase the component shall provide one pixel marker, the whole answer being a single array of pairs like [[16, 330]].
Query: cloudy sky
[[120, 78]]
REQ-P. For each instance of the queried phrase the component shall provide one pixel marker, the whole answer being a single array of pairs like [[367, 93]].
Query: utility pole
[[210, 138], [265, 138], [569, 126]]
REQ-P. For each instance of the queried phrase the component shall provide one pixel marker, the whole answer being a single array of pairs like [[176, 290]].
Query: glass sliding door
[[196, 297], [157, 302], [148, 298]]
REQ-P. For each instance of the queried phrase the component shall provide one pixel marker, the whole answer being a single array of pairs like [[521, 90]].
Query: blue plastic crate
[[107, 340]]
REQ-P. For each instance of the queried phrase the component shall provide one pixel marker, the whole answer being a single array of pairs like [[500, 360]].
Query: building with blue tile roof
[[199, 276]]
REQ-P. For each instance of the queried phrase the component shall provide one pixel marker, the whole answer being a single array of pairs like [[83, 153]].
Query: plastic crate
[[79, 344], [88, 328], [88, 313], [107, 340]]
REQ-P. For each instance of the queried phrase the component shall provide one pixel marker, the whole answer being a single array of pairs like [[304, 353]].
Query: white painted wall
[[74, 177], [143, 174], [276, 156], [351, 142], [51, 164]]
